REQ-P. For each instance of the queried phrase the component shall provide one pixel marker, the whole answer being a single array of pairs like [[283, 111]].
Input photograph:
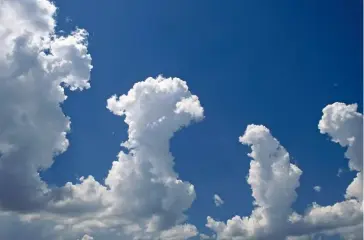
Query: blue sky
[[249, 62], [276, 64]]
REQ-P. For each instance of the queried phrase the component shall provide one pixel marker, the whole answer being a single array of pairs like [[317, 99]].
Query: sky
[[181, 119]]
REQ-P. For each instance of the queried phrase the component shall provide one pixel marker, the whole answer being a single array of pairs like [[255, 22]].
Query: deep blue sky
[[276, 63]]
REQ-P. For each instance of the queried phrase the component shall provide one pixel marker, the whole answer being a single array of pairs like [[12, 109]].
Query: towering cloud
[[273, 180], [142, 196], [35, 65], [144, 188]]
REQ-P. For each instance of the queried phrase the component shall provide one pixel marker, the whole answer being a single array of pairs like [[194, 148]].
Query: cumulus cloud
[[154, 110], [317, 188], [344, 125], [142, 196], [179, 232], [87, 237], [274, 180], [204, 236], [218, 201], [35, 66]]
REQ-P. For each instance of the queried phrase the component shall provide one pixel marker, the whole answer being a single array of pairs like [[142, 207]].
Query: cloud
[[317, 188], [142, 196], [179, 232], [344, 125], [87, 237], [204, 236], [218, 201], [274, 180], [33, 126], [154, 110]]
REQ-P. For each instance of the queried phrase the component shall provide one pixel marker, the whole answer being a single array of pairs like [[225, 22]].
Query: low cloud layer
[[142, 196]]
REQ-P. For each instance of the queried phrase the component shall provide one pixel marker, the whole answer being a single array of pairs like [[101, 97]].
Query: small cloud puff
[[218, 201], [317, 188]]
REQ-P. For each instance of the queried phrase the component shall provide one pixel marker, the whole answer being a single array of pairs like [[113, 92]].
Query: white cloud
[[142, 196], [271, 177], [317, 188], [33, 126], [345, 126], [218, 201], [274, 179], [87, 237], [154, 110], [179, 232], [204, 236]]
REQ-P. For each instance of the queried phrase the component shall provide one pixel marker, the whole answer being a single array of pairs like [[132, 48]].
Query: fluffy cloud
[[204, 236], [218, 201], [179, 232], [87, 237], [144, 188], [35, 65], [274, 180], [142, 196], [345, 126]]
